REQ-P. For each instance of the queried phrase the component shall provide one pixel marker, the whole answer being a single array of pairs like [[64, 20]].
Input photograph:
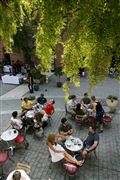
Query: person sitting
[[79, 110], [49, 110], [90, 143], [38, 120], [38, 108], [26, 105], [71, 105], [57, 151], [38, 125], [18, 175], [65, 129], [42, 100], [86, 101], [16, 122]]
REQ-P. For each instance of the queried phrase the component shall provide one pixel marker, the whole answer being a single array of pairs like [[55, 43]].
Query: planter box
[[36, 87], [59, 84], [112, 104]]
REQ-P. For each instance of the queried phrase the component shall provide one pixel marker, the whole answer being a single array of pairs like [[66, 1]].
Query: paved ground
[[105, 167], [4, 88]]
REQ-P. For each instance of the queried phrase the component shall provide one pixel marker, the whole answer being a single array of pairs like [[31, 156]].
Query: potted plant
[[31, 98], [112, 102], [36, 75], [58, 73]]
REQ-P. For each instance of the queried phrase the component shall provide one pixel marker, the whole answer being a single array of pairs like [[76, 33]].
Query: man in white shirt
[[71, 105], [16, 122]]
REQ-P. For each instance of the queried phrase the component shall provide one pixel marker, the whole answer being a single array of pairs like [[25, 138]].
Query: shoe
[[101, 131], [81, 163]]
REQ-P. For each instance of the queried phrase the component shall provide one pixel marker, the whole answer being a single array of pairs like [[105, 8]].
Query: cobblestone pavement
[[105, 167]]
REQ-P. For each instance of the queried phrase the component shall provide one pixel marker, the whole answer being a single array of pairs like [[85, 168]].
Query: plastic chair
[[21, 139], [4, 156], [107, 120], [80, 119], [91, 119], [71, 168], [94, 151], [49, 120]]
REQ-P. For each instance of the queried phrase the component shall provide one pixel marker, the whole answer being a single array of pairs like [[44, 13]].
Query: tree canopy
[[88, 30]]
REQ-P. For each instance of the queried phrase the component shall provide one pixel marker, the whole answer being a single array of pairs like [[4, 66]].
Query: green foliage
[[36, 73], [23, 40], [66, 90], [31, 98], [11, 17], [88, 30], [111, 97]]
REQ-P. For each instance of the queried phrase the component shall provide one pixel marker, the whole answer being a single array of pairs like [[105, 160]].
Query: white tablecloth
[[30, 114], [7, 79], [9, 135], [73, 144]]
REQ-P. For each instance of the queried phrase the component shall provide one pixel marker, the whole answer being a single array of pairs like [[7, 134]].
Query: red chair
[[107, 120], [80, 120], [71, 168], [4, 156], [91, 119], [21, 139]]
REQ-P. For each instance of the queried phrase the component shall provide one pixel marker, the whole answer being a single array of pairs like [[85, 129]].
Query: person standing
[[98, 109], [30, 82]]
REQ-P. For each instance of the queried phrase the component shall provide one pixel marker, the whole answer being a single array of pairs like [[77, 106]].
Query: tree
[[88, 30]]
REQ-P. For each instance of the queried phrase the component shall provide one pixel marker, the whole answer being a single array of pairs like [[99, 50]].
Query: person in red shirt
[[49, 110]]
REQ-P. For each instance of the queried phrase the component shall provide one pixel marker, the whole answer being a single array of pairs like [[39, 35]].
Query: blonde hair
[[51, 138]]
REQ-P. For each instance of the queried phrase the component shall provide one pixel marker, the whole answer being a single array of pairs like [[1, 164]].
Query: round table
[[9, 135], [30, 114], [74, 144]]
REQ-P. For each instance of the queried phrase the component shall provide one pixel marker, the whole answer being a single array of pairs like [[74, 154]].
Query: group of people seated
[[56, 141], [40, 110], [74, 106], [84, 107], [43, 110]]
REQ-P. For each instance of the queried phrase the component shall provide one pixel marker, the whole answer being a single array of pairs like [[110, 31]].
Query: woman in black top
[[97, 107], [30, 82]]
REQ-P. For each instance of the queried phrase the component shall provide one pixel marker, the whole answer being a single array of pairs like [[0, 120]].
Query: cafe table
[[9, 135], [30, 114], [73, 144]]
